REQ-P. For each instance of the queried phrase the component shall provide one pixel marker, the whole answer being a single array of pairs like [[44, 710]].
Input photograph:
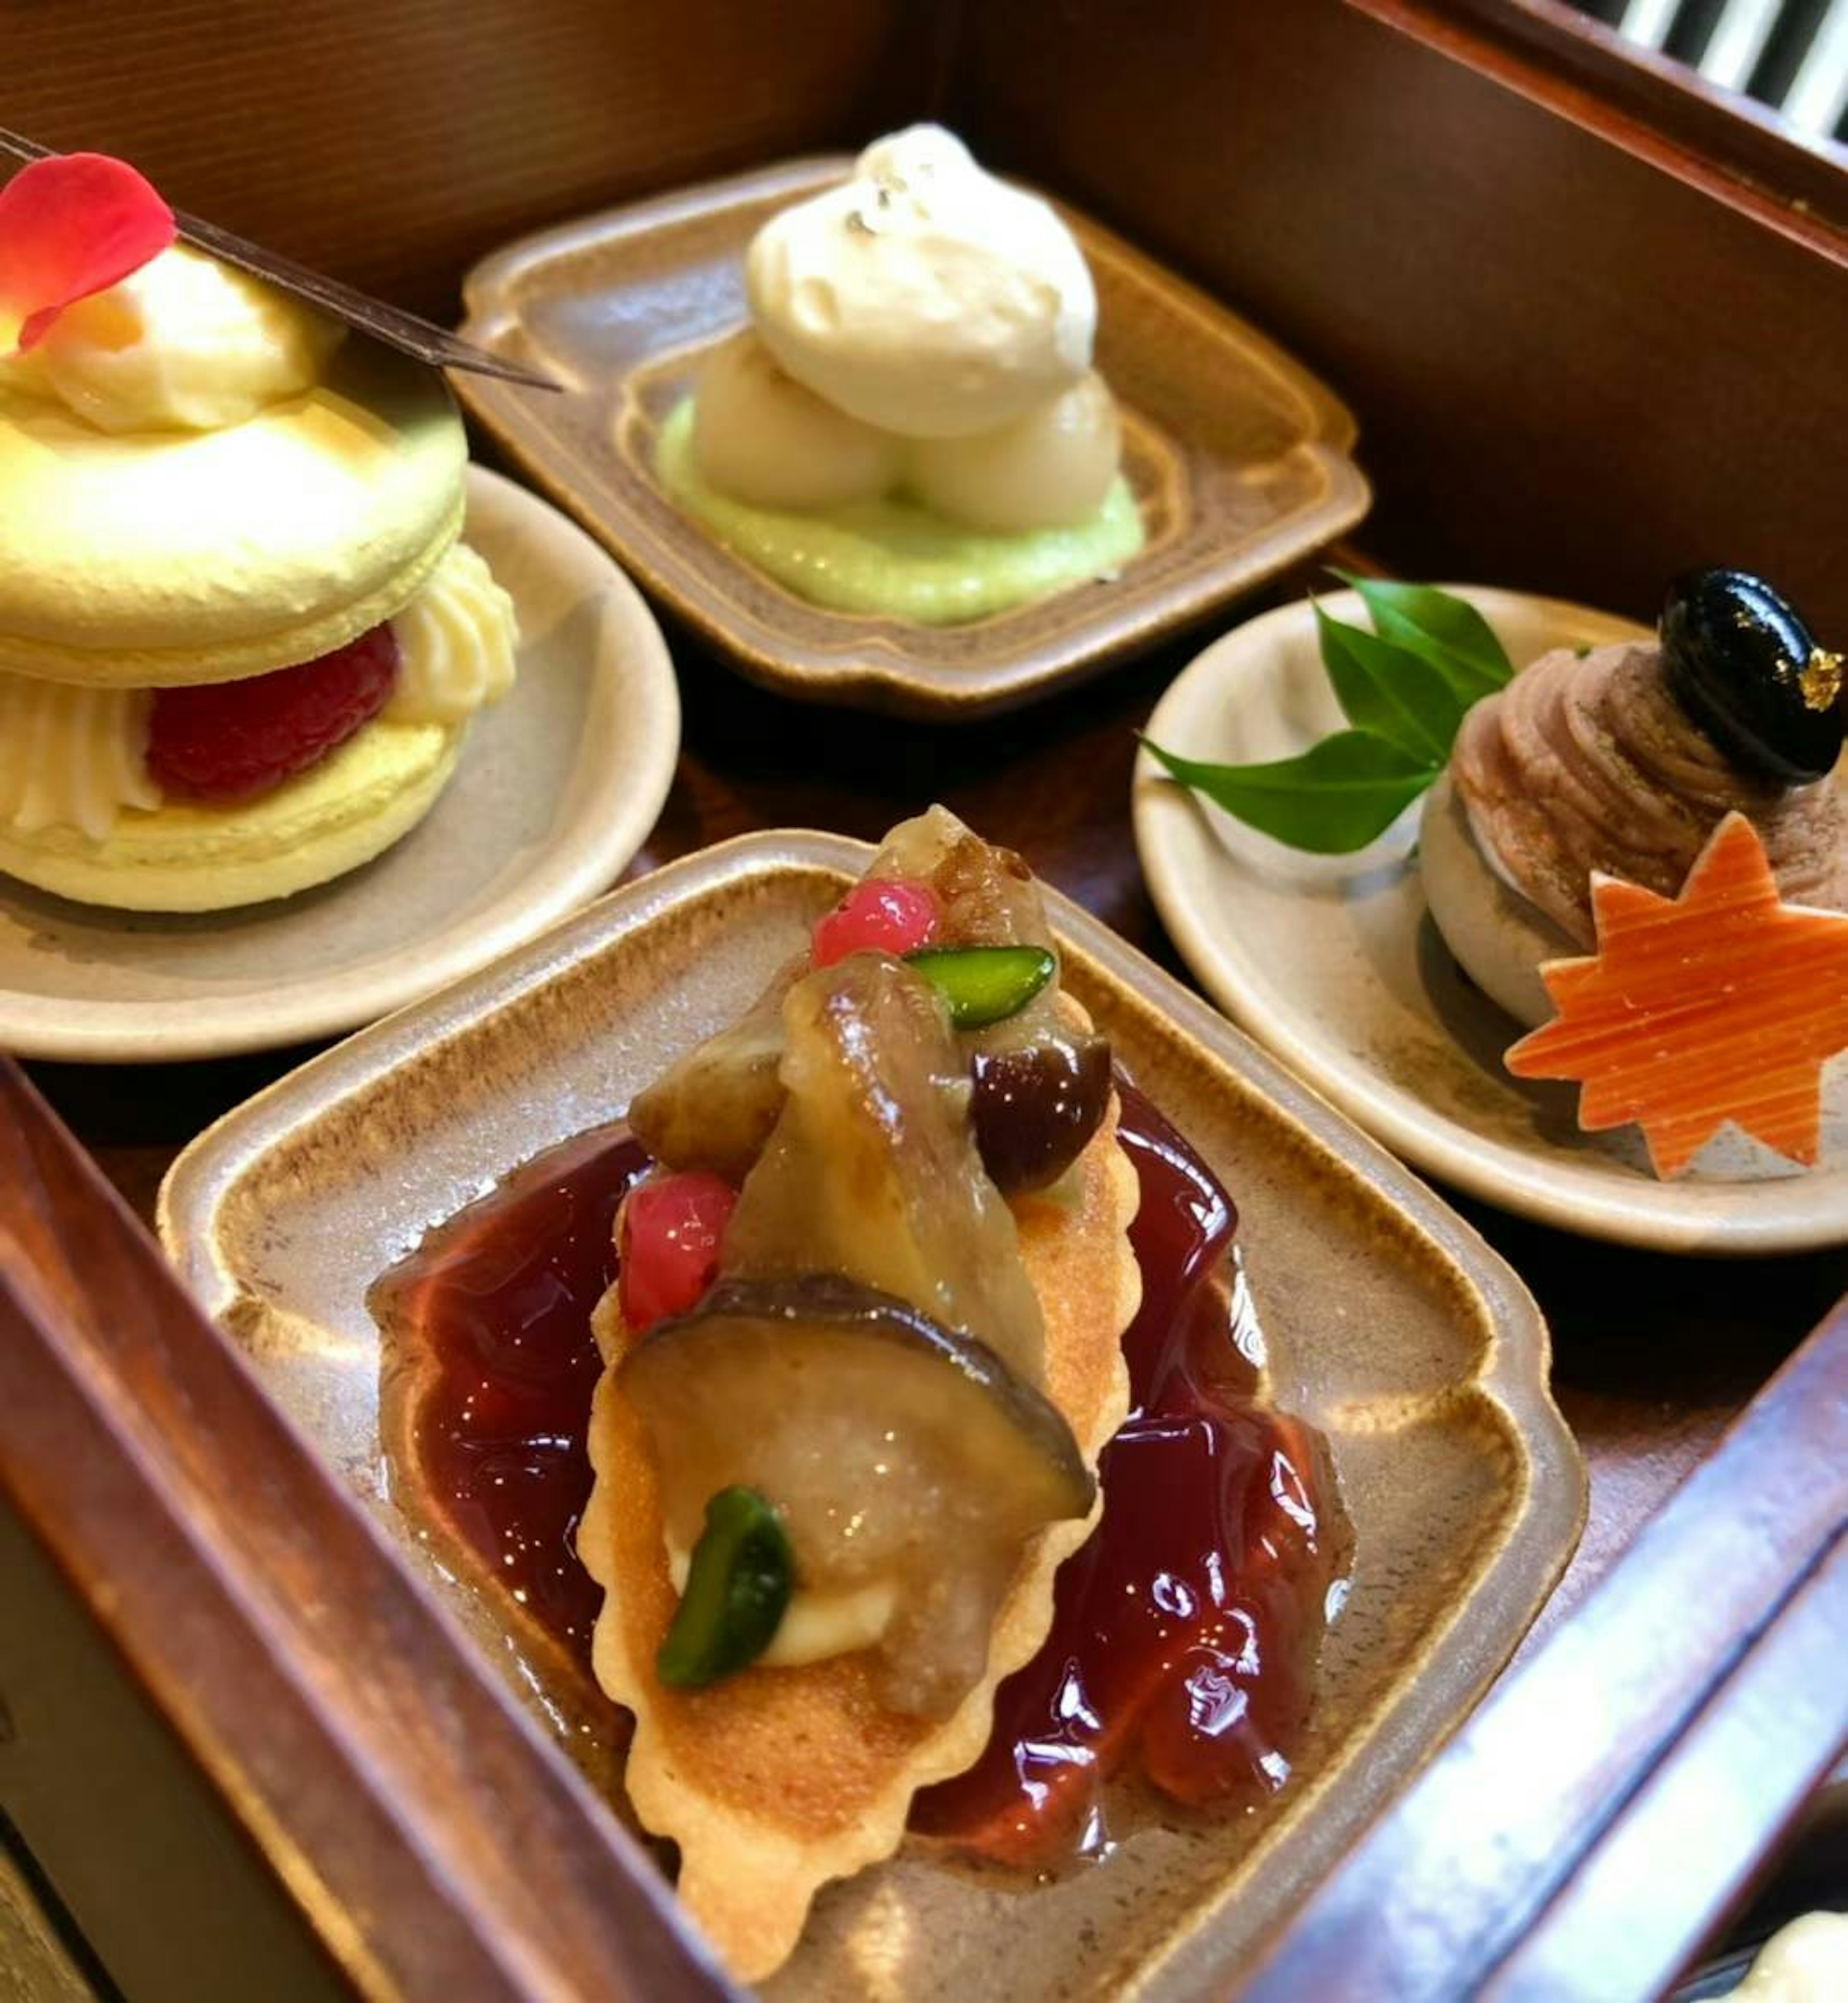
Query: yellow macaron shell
[[193, 857], [160, 559]]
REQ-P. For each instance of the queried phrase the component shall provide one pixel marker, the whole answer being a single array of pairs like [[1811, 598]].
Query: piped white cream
[[457, 643], [923, 296], [71, 757], [184, 344]]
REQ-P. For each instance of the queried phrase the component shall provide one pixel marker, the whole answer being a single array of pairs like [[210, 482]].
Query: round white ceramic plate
[[556, 789], [1333, 962]]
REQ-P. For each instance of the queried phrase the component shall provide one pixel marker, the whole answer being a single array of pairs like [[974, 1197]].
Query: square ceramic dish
[[1239, 458], [1390, 1325]]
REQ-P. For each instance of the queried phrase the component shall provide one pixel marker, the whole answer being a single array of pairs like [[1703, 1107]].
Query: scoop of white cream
[[1806, 1963], [923, 296], [184, 344]]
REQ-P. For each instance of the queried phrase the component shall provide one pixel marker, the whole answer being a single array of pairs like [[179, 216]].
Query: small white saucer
[[1334, 963], [556, 789]]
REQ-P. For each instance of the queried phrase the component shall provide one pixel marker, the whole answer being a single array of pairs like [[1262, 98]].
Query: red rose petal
[[72, 226]]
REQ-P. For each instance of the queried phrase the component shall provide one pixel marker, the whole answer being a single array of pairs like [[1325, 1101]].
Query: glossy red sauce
[[496, 1303], [1185, 1634]]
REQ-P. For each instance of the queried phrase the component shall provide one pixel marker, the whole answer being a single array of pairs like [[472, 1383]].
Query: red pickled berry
[[232, 740], [882, 915], [668, 1244]]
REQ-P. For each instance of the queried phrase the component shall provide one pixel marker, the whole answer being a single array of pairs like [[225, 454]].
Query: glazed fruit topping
[[233, 740], [873, 1355], [872, 1172], [1036, 1106], [880, 915], [1741, 662], [668, 1237], [984, 983], [737, 1589], [1042, 1085]]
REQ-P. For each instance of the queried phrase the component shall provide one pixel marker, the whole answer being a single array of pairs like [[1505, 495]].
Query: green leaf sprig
[[1405, 687]]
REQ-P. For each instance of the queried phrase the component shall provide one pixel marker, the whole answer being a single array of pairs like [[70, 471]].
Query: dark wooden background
[[1583, 355]]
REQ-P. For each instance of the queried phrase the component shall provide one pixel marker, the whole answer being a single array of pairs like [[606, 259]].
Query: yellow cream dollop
[[76, 757], [184, 344]]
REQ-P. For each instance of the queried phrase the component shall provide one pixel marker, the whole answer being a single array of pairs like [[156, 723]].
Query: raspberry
[[883, 914], [233, 739], [668, 1243]]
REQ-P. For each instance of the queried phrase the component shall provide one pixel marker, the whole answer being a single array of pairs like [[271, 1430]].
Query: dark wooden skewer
[[1603, 1811]]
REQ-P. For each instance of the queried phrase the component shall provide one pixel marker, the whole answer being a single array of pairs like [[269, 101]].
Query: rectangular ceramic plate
[[1238, 457], [1390, 1325]]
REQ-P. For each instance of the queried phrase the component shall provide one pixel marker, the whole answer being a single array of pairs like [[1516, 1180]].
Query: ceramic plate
[[1239, 458], [1334, 963], [1390, 1324], [557, 789]]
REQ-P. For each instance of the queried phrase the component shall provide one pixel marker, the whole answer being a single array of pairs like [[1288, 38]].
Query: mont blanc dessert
[[1622, 762], [1639, 850], [241, 643], [911, 424]]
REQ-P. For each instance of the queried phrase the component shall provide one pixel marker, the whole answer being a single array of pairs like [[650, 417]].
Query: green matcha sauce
[[895, 558]]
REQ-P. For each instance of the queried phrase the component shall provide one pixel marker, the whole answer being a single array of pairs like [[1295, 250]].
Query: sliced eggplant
[[893, 1448]]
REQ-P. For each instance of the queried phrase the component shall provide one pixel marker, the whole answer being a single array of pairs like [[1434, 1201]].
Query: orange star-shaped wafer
[[1721, 1003]]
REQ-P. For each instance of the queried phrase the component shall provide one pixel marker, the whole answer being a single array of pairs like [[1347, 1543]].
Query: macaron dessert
[[911, 425], [241, 643], [1622, 762]]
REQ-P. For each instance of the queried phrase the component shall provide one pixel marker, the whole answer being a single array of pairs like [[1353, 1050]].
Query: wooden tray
[[1238, 457], [1390, 1324]]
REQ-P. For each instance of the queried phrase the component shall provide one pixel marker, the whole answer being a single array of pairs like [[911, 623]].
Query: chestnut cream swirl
[[1591, 764]]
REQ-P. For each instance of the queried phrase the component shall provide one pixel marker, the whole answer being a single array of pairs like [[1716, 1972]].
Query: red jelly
[[491, 1318], [1185, 1632]]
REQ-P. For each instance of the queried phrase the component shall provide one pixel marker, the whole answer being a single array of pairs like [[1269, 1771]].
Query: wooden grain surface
[[267, 1621], [393, 142], [1576, 369], [1576, 1837]]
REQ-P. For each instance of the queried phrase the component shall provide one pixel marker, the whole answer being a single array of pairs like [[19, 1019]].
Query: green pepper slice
[[738, 1588], [984, 983]]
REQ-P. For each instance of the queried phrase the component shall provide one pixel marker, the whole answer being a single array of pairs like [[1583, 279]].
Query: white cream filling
[[457, 643], [72, 756], [815, 1625]]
